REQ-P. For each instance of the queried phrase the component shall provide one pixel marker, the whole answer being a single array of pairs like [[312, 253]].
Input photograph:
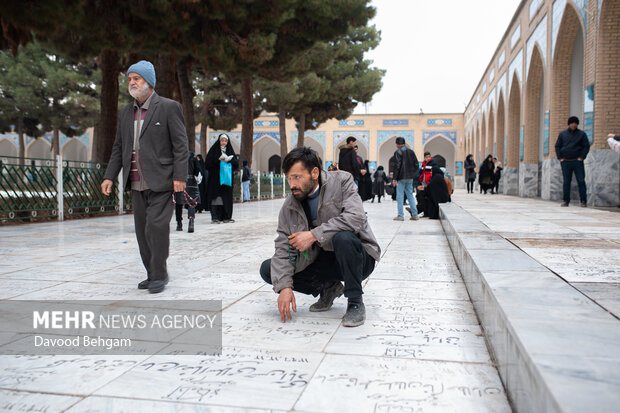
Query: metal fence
[[262, 186], [33, 189]]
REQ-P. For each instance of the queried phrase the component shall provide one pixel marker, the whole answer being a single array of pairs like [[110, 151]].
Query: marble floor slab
[[248, 378], [376, 384], [416, 294], [21, 401]]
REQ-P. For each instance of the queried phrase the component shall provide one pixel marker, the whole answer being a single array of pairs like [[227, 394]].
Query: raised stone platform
[[557, 348]]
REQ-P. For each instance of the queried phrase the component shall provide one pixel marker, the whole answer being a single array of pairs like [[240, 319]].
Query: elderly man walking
[[151, 147]]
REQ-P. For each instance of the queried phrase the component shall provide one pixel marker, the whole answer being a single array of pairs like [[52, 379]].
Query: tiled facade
[[541, 87]]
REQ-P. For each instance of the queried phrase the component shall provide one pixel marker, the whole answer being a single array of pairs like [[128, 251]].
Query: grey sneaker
[[398, 218], [355, 315], [327, 297], [414, 218]]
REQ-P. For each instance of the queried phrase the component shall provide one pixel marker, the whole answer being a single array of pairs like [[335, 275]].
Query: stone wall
[[510, 181], [528, 180], [602, 177]]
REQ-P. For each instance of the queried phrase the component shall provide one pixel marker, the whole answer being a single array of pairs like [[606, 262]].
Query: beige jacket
[[340, 209]]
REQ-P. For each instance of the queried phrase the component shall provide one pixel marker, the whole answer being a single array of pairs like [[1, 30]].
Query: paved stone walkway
[[581, 245], [421, 349]]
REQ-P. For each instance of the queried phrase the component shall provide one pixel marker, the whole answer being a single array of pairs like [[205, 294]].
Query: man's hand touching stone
[[285, 300]]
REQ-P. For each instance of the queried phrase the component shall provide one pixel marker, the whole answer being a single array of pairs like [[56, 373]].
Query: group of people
[[405, 176], [489, 174]]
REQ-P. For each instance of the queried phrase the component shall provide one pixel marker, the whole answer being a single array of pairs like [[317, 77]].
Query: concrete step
[[556, 350]]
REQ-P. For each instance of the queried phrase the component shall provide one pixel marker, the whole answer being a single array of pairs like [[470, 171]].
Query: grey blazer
[[163, 144]]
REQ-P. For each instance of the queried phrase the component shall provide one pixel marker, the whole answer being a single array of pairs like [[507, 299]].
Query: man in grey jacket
[[151, 147], [323, 239]]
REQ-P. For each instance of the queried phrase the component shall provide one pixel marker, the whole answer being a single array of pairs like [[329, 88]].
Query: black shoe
[[143, 285], [157, 286], [190, 227], [355, 315], [564, 204], [179, 226], [584, 205], [409, 210], [226, 221], [328, 295]]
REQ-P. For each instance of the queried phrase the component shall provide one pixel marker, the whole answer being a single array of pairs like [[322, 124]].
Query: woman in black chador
[[365, 183], [220, 197], [436, 192], [378, 186], [486, 173]]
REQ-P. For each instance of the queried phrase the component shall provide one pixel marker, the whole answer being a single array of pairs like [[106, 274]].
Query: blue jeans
[[568, 167], [246, 190], [405, 186]]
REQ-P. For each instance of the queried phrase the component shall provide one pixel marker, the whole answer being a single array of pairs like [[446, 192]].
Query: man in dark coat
[[347, 159], [191, 197], [219, 197], [151, 148], [405, 166], [571, 148]]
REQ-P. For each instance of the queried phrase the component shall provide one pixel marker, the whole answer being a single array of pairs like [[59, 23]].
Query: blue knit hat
[[144, 69]]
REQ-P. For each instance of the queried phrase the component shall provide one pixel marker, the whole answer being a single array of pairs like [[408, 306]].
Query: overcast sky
[[434, 51]]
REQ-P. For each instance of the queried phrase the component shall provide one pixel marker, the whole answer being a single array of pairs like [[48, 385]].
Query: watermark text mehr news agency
[[87, 319]]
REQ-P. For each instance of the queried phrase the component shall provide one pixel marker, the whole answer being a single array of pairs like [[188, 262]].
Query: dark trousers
[[191, 212], [349, 262], [152, 212], [568, 167], [470, 186]]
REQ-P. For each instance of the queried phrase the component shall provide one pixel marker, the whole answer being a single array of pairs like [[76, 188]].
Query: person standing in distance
[[151, 148], [405, 166], [347, 159], [571, 148]]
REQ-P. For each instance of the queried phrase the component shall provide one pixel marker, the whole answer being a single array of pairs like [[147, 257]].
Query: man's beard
[[139, 93], [304, 191]]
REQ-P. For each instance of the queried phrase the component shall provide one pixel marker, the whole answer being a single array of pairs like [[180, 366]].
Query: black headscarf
[[436, 192]]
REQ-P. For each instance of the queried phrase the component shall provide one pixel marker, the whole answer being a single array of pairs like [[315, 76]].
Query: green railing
[[34, 189], [262, 186]]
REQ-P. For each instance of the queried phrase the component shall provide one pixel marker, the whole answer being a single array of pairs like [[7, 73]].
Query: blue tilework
[[273, 135], [351, 122], [439, 122], [234, 136], [340, 136], [516, 67], [318, 136], [427, 135], [534, 5], [516, 35], [11, 137], [384, 135], [395, 122], [539, 37], [546, 134], [266, 123]]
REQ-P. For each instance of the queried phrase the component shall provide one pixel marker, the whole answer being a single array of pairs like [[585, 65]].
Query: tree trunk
[[301, 128], [283, 138], [187, 100], [204, 141], [106, 129], [166, 78], [20, 136], [56, 142], [247, 124]]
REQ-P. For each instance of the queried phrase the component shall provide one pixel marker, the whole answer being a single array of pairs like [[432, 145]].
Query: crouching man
[[323, 240]]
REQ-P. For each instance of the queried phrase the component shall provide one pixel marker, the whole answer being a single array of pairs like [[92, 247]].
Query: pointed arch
[[500, 128], [567, 72], [533, 116], [514, 123]]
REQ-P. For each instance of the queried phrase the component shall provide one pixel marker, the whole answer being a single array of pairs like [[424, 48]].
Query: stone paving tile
[[376, 384], [20, 401], [311, 363], [581, 245]]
